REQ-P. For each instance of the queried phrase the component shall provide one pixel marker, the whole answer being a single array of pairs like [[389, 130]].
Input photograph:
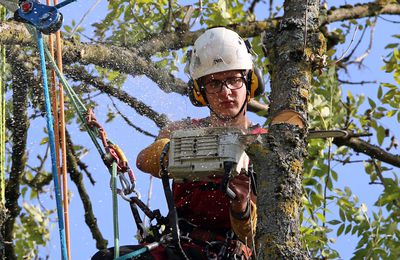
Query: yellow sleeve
[[246, 229], [148, 159]]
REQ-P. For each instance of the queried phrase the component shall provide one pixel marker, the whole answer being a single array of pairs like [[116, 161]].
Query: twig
[[252, 6], [349, 161], [371, 40], [140, 130], [382, 179], [80, 74], [91, 9], [137, 20], [387, 20], [357, 83], [348, 48], [84, 168], [364, 147], [167, 24], [357, 44]]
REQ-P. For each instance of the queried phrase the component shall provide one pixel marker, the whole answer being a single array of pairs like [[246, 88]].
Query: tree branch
[[76, 177], [359, 11], [371, 150], [80, 74]]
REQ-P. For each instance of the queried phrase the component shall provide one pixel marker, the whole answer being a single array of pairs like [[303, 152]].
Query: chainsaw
[[206, 154]]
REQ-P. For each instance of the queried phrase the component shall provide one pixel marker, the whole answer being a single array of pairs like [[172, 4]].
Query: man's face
[[229, 100]]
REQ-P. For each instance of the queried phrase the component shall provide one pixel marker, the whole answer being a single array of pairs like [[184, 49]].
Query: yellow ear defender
[[195, 94]]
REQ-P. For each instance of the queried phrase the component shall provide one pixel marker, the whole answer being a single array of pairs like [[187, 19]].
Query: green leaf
[[371, 103], [348, 228], [380, 134], [380, 92], [23, 191], [45, 140], [391, 113], [342, 215], [334, 222], [321, 217], [340, 230]]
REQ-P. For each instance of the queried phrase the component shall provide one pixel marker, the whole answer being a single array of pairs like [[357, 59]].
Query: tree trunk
[[279, 159]]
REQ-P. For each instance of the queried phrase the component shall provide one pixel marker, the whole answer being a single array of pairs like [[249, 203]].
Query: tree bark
[[291, 47], [21, 78]]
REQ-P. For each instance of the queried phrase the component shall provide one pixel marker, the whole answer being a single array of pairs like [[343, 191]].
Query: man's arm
[[243, 209], [148, 159]]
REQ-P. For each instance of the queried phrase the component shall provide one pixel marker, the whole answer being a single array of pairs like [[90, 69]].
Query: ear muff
[[195, 94], [255, 83]]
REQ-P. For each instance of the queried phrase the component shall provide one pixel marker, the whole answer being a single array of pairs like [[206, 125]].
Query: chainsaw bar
[[316, 134]]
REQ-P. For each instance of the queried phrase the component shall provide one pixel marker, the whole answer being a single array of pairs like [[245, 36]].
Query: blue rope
[[52, 145], [133, 254], [138, 252]]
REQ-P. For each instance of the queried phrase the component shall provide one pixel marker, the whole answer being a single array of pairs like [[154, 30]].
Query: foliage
[[330, 213], [32, 231]]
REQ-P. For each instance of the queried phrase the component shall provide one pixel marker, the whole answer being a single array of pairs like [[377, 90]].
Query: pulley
[[46, 19]]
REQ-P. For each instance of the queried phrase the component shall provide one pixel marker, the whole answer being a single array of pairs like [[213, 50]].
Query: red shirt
[[203, 203]]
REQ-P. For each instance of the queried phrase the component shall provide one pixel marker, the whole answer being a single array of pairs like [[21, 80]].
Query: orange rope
[[63, 143], [60, 125], [54, 108]]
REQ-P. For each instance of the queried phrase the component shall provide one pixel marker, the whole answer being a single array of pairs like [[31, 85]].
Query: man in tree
[[224, 80]]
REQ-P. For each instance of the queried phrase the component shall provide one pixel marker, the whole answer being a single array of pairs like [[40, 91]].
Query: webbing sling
[[81, 110]]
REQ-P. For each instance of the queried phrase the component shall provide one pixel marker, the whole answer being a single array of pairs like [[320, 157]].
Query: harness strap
[[172, 214]]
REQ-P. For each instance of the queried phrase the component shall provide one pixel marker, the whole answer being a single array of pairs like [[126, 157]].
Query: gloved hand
[[240, 206], [148, 160]]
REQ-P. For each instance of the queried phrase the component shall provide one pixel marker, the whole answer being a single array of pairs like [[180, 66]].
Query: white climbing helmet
[[216, 50]]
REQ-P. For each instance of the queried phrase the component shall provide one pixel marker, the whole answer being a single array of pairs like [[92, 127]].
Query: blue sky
[[176, 107]]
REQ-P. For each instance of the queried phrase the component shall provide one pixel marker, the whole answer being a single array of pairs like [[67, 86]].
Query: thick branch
[[178, 40], [360, 11], [19, 137], [123, 60], [371, 150], [76, 177], [80, 74]]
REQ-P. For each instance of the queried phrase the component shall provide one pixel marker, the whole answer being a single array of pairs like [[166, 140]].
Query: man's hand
[[240, 185]]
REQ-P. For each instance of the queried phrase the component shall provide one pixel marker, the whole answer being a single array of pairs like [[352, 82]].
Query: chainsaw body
[[199, 154]]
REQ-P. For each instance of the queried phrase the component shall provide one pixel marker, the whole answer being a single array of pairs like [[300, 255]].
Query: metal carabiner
[[122, 194], [125, 185]]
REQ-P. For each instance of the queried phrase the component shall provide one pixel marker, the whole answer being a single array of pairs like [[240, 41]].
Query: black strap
[[172, 213], [228, 167]]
